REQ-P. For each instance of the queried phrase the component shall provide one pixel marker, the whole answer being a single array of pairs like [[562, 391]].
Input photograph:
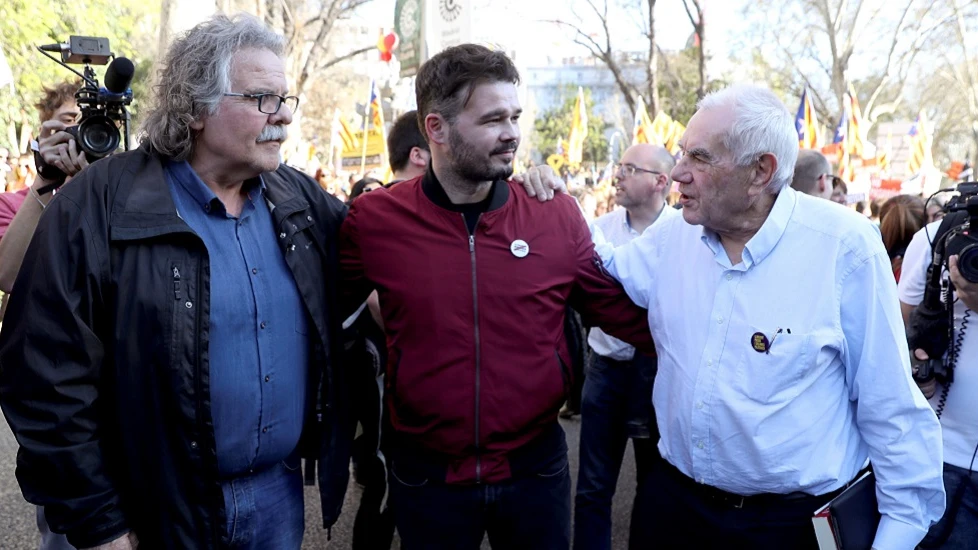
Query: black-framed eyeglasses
[[270, 103], [628, 170], [836, 180]]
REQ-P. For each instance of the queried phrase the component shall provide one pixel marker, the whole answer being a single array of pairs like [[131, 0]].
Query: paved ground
[[18, 532]]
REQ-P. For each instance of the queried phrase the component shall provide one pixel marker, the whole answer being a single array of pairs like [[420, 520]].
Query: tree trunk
[[652, 69]]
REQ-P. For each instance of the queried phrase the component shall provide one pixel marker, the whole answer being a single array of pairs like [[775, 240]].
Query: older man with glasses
[[617, 399], [183, 323]]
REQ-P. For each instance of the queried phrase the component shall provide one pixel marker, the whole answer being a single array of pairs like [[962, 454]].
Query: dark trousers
[[617, 403], [531, 512], [681, 517], [373, 528], [958, 529]]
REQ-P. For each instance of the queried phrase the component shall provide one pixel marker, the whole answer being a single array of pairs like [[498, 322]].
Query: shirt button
[[281, 235], [700, 445], [189, 305], [701, 481], [263, 324], [309, 218], [699, 405], [709, 363], [193, 444], [264, 430], [254, 271], [729, 276], [267, 378], [719, 320]]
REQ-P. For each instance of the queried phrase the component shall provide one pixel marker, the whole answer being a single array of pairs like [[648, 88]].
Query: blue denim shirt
[[258, 349]]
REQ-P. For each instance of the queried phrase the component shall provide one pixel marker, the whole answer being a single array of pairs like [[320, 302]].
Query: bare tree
[[957, 93], [695, 13], [818, 40], [601, 47]]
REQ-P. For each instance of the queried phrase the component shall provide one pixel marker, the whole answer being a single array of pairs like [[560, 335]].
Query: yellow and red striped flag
[[578, 130], [806, 124], [642, 127], [921, 156]]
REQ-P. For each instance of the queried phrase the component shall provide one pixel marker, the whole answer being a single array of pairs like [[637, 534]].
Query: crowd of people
[[194, 324]]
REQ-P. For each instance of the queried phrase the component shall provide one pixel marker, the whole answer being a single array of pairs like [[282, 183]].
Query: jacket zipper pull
[[176, 283], [471, 243]]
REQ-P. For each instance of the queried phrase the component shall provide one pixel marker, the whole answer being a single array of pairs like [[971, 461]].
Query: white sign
[[448, 23]]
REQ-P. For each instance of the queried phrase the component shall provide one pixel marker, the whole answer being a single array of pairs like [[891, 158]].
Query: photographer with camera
[[936, 286], [20, 211]]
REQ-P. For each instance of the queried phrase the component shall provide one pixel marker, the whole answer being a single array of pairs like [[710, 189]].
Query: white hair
[[762, 124]]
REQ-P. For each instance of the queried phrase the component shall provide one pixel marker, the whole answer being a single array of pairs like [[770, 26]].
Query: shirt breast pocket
[[772, 368]]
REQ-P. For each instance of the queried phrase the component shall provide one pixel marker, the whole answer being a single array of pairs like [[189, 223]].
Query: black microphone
[[118, 75], [55, 47]]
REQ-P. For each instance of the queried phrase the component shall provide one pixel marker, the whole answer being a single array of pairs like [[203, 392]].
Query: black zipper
[[478, 350]]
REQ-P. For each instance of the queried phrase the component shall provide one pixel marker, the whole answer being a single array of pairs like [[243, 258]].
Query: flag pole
[[366, 120]]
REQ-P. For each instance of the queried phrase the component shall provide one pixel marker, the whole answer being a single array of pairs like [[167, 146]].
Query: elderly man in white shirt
[[616, 403], [783, 365]]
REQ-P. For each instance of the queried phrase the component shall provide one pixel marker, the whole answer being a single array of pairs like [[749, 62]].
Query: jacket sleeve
[[600, 299], [356, 286], [51, 376]]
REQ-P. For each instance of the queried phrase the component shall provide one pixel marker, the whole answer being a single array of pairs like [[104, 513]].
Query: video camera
[[103, 108], [932, 322]]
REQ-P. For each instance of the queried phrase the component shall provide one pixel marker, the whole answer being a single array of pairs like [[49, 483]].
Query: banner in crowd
[[409, 26]]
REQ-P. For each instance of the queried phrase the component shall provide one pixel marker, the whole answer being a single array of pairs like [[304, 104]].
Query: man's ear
[[197, 124], [764, 170], [437, 128], [419, 157], [821, 184]]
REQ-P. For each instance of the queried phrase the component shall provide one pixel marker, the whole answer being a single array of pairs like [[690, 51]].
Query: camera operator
[[20, 211], [952, 398]]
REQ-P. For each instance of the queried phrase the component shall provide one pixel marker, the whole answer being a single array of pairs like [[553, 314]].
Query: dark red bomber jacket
[[477, 363]]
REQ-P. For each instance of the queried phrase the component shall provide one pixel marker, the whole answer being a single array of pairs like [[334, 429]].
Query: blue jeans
[[617, 403], [958, 529], [531, 512], [265, 510]]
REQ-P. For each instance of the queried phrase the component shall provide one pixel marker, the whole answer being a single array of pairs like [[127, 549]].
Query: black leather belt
[[708, 492]]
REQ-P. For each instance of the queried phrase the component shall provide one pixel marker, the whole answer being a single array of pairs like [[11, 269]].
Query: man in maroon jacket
[[474, 277]]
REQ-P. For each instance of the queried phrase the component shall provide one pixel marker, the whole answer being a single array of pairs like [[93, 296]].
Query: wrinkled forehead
[[708, 129]]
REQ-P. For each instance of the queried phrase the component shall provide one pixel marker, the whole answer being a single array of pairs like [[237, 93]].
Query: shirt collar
[[201, 194], [763, 242], [626, 219]]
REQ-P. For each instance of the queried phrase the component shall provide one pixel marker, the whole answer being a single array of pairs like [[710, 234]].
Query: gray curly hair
[[195, 74]]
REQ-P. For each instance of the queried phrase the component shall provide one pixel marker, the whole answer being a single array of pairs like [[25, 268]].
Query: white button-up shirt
[[832, 386], [616, 229]]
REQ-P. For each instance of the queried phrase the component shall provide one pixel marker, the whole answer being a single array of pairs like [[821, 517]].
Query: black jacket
[[104, 368]]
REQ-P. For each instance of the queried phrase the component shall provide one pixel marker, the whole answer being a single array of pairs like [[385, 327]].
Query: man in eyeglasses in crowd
[[617, 400], [176, 321]]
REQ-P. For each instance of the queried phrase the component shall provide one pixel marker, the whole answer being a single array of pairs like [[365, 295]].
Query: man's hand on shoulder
[[966, 290], [541, 182], [125, 542]]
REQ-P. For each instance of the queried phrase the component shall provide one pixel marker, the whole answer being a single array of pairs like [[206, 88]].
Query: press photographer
[[939, 297], [62, 149]]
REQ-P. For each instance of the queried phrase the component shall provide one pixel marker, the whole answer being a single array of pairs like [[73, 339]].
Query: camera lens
[[968, 262], [98, 136]]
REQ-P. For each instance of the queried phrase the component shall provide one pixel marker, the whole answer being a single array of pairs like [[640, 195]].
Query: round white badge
[[519, 248]]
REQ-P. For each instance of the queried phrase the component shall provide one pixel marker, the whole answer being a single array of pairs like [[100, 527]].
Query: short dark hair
[[811, 165], [446, 81], [359, 186], [404, 136], [55, 97]]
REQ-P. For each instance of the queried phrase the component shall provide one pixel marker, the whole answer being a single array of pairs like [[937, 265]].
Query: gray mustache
[[273, 133]]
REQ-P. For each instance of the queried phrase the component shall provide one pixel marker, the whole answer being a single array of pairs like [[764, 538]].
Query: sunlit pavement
[[18, 531]]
